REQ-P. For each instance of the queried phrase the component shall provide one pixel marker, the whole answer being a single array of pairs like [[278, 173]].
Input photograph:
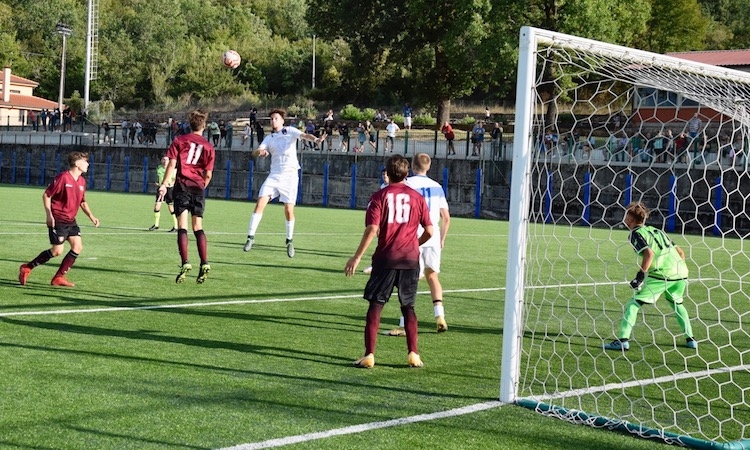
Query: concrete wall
[[37, 165], [695, 192]]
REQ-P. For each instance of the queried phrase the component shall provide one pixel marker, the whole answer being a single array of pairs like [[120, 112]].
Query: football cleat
[[60, 280], [365, 362], [415, 360], [289, 248], [153, 227], [23, 274], [441, 325], [184, 269], [395, 332], [691, 343], [618, 345], [249, 243], [173, 230], [203, 273]]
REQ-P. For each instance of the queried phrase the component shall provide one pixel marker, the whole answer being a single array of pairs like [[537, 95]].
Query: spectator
[[32, 120], [344, 135], [373, 135], [447, 131], [214, 132], [259, 131], [230, 134], [105, 127], [407, 111], [361, 137], [477, 138], [222, 132], [391, 130], [125, 129], [497, 140], [247, 133], [309, 129]]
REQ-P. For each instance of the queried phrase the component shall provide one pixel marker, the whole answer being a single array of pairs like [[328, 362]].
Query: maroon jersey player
[[61, 200], [192, 157], [394, 215]]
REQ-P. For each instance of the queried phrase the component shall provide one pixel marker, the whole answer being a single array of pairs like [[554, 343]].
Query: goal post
[[597, 126]]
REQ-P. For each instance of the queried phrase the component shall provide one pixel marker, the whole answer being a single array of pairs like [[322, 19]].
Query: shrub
[[368, 114], [467, 120], [398, 118], [351, 112], [424, 119]]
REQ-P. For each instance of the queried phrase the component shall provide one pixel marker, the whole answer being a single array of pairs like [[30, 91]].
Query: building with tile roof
[[17, 99]]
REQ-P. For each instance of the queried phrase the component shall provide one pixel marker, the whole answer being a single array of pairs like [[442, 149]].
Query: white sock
[[439, 311], [290, 229], [401, 322], [254, 222]]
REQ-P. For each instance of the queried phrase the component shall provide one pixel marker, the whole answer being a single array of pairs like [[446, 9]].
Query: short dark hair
[[397, 168], [74, 157], [280, 112]]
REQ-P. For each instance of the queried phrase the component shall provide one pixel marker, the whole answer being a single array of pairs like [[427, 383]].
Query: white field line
[[205, 304], [274, 300], [637, 383], [366, 427]]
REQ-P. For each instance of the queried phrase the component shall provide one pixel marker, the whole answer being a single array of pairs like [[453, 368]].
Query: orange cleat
[[23, 274], [60, 280]]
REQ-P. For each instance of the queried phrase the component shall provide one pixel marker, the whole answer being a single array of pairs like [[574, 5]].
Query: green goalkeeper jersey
[[667, 263]]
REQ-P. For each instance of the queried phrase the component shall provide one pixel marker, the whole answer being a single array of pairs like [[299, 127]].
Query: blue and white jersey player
[[283, 179], [430, 252]]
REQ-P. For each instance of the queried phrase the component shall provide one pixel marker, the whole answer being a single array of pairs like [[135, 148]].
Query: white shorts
[[429, 258], [407, 121], [283, 185]]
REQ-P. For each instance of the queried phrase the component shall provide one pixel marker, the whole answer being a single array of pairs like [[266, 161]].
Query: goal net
[[597, 127]]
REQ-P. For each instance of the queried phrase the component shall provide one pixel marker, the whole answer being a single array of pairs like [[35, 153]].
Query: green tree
[[676, 25], [730, 26], [427, 51]]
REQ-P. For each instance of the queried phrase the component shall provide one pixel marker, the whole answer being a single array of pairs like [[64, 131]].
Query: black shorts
[[168, 197], [188, 201], [382, 281], [62, 231]]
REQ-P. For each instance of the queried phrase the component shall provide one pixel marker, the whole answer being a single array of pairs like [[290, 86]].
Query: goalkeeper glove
[[637, 282]]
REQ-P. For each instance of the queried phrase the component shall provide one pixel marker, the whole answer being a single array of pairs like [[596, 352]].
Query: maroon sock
[[410, 326], [182, 245], [41, 258], [67, 263], [372, 324], [200, 239]]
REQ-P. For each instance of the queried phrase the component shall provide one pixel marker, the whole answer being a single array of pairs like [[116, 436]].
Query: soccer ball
[[231, 59]]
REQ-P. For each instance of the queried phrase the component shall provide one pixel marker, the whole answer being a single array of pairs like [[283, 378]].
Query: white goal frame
[[524, 154]]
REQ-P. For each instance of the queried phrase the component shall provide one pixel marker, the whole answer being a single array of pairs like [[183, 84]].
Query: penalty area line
[[207, 304], [366, 427]]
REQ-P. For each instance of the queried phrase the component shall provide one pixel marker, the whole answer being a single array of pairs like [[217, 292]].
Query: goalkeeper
[[662, 270]]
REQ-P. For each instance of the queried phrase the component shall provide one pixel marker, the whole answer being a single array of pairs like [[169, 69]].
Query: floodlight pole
[[65, 31], [89, 55], [313, 64]]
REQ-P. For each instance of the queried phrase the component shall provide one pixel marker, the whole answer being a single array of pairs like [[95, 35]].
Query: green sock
[[628, 319], [683, 319]]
